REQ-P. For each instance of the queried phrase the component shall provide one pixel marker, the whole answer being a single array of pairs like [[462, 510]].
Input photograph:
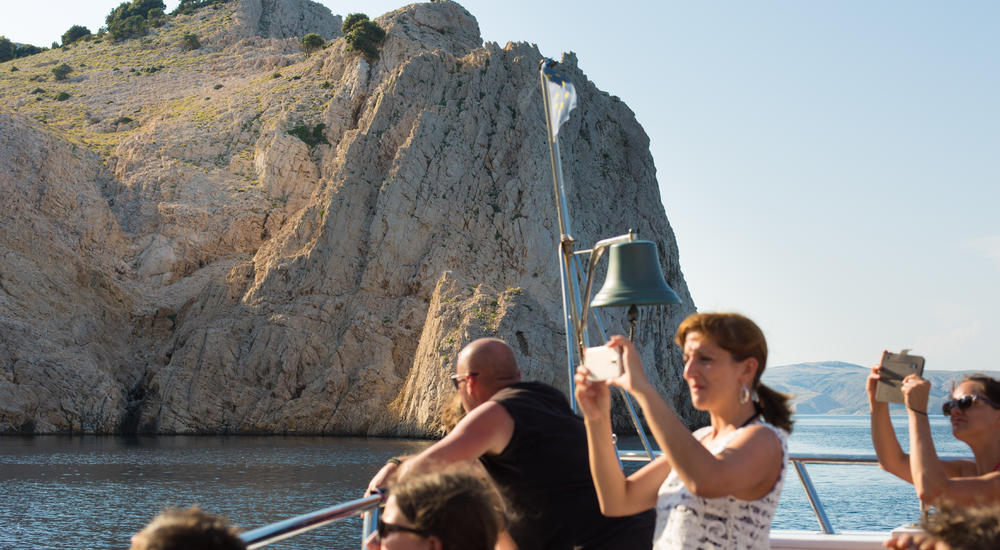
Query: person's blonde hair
[[451, 413], [190, 529], [964, 527], [743, 339]]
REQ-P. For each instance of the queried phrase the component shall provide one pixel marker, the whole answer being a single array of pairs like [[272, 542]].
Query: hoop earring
[[744, 395]]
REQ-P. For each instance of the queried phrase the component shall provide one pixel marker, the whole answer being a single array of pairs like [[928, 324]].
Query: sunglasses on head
[[456, 378], [964, 403], [385, 529]]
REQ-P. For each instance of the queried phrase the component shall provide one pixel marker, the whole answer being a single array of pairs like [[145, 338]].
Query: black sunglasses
[[384, 529], [964, 403], [456, 378]]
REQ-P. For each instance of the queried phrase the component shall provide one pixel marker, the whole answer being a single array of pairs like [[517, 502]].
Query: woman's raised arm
[[890, 454], [618, 495]]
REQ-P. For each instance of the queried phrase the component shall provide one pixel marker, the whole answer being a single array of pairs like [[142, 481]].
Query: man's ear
[[472, 387]]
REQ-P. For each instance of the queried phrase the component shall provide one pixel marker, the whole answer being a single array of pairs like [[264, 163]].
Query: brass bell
[[634, 277]]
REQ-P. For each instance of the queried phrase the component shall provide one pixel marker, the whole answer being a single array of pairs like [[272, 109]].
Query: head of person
[[964, 527], [724, 358], [191, 529], [453, 509], [974, 408], [484, 367]]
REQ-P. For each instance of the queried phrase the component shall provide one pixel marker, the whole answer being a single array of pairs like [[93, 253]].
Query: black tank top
[[544, 475]]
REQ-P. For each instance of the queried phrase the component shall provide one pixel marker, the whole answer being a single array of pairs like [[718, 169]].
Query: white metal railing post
[[368, 525], [814, 501]]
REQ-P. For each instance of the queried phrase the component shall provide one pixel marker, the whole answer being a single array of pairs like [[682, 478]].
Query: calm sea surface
[[78, 492]]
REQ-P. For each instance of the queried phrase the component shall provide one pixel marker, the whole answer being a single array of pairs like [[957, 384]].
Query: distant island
[[835, 387]]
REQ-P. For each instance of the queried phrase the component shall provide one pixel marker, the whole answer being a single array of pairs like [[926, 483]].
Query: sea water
[[78, 492]]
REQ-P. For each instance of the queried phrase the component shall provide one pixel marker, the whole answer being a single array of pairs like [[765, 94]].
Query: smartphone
[[604, 363], [896, 367]]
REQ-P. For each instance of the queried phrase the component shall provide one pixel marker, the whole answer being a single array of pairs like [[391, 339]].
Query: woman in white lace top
[[717, 487]]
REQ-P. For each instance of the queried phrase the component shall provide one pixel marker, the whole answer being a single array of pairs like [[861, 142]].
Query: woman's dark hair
[[457, 506], [742, 338], [990, 386]]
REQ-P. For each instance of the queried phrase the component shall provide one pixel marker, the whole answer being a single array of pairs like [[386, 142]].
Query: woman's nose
[[688, 367]]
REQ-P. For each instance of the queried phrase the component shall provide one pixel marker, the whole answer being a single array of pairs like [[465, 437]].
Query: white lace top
[[687, 521]]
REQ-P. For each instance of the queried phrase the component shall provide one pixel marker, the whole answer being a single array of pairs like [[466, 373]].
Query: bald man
[[535, 448]]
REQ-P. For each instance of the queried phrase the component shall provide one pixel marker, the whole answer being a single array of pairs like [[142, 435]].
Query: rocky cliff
[[247, 238]]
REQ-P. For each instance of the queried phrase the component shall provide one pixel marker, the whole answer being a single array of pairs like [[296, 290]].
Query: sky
[[830, 169]]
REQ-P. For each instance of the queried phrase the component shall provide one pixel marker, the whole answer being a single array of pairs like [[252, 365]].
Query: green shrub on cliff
[[362, 35], [61, 71], [156, 18], [312, 42], [351, 20], [312, 137], [24, 50], [74, 33], [132, 19], [190, 41], [130, 27], [190, 6], [6, 49], [10, 50]]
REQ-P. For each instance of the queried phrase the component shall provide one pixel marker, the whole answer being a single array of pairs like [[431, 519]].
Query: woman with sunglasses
[[453, 509], [974, 410]]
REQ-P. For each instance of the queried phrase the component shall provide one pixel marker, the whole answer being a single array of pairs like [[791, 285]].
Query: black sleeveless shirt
[[544, 474]]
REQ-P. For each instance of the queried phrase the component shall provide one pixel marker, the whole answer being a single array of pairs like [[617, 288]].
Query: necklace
[[756, 414]]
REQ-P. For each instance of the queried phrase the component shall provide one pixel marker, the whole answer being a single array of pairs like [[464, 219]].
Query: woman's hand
[[633, 378], [593, 397], [916, 391], [873, 377]]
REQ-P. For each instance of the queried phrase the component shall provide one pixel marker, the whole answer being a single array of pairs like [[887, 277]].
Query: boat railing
[[367, 507], [270, 534], [799, 461]]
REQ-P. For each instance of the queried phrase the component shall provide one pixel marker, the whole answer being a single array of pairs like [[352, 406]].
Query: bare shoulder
[[758, 437], [763, 432], [961, 468], [489, 425]]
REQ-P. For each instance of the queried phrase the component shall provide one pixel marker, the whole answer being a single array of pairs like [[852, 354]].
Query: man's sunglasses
[[456, 378], [964, 403], [384, 529]]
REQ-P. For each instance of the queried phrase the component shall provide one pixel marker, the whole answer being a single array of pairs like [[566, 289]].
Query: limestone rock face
[[285, 19], [64, 310], [285, 242]]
